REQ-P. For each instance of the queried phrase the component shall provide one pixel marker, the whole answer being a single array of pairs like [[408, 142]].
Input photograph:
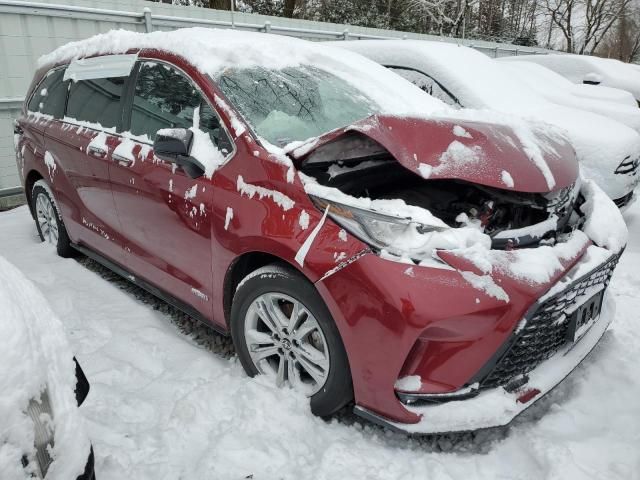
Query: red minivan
[[442, 272]]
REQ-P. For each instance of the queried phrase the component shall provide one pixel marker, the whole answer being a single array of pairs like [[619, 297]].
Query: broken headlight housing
[[380, 231]]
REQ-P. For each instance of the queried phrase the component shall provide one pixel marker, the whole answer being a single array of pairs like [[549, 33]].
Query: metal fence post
[[345, 34], [267, 27], [148, 25]]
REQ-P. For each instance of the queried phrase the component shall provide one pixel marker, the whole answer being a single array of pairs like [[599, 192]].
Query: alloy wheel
[[46, 217], [286, 341]]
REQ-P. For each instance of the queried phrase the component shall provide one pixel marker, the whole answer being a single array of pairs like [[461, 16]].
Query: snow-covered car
[[43, 433], [591, 70], [356, 245], [608, 151], [612, 103]]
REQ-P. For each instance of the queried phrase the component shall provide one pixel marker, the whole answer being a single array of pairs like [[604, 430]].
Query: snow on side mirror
[[174, 145], [592, 79]]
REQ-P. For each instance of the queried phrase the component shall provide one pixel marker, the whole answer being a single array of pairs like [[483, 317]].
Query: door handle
[[97, 151], [120, 159]]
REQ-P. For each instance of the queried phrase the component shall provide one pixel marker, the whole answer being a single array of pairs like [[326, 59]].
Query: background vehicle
[[592, 70], [43, 432], [607, 150], [618, 105], [272, 189]]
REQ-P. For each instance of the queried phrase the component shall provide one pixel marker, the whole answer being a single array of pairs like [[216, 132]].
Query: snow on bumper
[[497, 407]]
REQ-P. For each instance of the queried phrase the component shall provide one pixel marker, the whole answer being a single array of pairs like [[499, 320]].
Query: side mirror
[[592, 79], [174, 145]]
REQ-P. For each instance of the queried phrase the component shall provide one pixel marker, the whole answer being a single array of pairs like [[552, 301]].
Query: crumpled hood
[[511, 158]]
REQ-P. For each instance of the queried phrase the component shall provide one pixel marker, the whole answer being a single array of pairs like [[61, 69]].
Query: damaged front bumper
[[476, 407], [482, 334]]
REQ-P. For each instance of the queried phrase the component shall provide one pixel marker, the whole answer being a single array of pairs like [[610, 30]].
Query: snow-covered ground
[[165, 404]]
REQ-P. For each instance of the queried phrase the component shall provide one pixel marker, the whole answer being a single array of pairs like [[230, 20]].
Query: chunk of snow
[[203, 149], [278, 197], [458, 156], [50, 163], [460, 131], [125, 150], [342, 235], [604, 224], [507, 179], [303, 220], [190, 193], [98, 142], [411, 383], [304, 248], [228, 218], [425, 170]]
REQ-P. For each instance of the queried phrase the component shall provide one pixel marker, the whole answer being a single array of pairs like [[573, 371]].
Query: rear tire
[[298, 333], [48, 220]]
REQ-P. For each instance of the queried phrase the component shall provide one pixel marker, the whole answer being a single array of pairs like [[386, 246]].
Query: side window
[[165, 98], [51, 95], [428, 84], [97, 101]]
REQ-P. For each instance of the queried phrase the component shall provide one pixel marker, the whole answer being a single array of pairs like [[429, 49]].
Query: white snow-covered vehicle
[[42, 433], [606, 72], [608, 151], [613, 103]]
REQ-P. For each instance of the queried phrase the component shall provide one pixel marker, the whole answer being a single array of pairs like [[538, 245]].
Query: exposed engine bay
[[511, 219]]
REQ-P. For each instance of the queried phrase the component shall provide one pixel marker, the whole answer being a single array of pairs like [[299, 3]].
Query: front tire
[[48, 220], [282, 328]]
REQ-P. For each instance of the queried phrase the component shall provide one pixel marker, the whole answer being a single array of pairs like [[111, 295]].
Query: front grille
[[546, 327]]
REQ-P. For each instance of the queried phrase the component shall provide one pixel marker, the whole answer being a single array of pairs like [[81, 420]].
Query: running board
[[153, 290]]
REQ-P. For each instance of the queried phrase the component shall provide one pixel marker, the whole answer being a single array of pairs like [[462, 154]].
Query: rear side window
[[51, 95], [97, 101], [164, 98]]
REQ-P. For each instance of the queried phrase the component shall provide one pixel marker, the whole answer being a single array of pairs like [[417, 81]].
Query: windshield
[[294, 103]]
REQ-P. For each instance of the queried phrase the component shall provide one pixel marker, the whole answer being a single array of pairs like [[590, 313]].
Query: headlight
[[41, 415], [399, 236]]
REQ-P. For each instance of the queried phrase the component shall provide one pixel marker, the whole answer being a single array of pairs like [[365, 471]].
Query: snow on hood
[[511, 156], [35, 356]]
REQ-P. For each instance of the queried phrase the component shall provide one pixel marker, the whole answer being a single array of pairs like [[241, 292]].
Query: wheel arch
[[242, 266]]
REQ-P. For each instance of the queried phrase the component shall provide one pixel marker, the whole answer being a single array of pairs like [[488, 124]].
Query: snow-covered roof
[[213, 50], [612, 73]]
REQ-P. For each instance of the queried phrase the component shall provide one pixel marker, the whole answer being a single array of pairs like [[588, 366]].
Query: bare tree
[[584, 23], [446, 15]]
